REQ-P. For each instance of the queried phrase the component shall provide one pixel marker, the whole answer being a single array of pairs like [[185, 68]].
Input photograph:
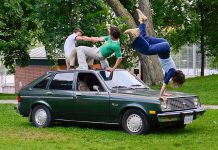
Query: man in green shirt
[[111, 45]]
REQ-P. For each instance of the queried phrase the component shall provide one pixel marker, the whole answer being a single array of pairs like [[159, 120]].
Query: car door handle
[[49, 93]]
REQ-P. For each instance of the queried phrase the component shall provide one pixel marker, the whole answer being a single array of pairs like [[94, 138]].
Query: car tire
[[135, 122], [41, 116]]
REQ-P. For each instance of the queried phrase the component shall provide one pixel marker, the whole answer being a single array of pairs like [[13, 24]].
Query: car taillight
[[18, 99]]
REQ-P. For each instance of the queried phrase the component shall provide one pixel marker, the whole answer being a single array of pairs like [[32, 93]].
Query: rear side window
[[42, 84], [62, 81]]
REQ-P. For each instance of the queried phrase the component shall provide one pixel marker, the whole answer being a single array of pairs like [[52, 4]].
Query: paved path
[[15, 102], [8, 101]]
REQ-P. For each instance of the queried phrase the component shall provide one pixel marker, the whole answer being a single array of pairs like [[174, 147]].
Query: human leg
[[73, 56], [154, 40], [67, 61], [89, 61], [142, 17], [160, 49], [82, 53], [140, 45], [104, 63]]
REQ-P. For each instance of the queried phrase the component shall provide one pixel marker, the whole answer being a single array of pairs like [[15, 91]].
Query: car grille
[[180, 103]]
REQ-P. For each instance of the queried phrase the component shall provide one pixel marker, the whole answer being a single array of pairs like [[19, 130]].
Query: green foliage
[[17, 30], [130, 5], [209, 26], [180, 22], [60, 18]]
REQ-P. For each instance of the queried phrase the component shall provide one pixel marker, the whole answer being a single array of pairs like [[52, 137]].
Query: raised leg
[[153, 40]]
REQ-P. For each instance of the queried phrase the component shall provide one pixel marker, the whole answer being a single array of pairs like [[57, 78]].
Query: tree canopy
[[192, 21], [26, 22], [17, 31]]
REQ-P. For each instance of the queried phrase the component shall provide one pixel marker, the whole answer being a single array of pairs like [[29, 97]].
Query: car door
[[60, 95], [91, 105]]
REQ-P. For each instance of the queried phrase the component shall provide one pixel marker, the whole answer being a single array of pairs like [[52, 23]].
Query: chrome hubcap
[[40, 117], [134, 123]]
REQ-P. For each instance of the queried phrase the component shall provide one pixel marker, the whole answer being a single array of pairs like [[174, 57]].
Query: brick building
[[37, 67]]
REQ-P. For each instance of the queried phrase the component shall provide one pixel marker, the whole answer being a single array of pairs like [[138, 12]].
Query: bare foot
[[142, 17], [135, 32]]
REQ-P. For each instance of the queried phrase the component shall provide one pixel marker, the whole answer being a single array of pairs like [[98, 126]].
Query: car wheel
[[135, 122], [41, 116]]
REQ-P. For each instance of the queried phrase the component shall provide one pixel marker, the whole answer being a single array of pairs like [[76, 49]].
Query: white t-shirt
[[69, 44], [167, 64]]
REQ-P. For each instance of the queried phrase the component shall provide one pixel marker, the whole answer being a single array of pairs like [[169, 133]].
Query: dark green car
[[91, 96]]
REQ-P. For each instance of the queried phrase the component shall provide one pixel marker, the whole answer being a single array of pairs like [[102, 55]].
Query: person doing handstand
[[156, 46]]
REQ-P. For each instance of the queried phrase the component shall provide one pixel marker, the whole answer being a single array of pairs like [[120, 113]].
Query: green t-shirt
[[110, 47]]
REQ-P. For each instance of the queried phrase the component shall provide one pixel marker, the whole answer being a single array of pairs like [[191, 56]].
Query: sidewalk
[[8, 101], [15, 102]]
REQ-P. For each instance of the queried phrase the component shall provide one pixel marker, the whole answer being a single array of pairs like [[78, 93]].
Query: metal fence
[[188, 59], [7, 84]]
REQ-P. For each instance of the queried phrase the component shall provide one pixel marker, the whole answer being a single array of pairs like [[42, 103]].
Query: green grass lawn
[[17, 133], [205, 87], [8, 96]]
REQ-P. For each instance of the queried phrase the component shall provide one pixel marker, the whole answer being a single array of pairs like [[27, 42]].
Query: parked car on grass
[[98, 96]]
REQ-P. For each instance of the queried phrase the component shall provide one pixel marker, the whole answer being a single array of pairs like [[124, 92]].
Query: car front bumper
[[179, 116]]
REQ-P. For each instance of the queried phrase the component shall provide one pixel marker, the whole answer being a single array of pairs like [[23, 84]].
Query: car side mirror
[[96, 88], [136, 71]]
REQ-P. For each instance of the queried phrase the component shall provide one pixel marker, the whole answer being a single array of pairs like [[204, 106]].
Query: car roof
[[77, 70]]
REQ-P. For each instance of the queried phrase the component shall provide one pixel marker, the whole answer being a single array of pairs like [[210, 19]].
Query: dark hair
[[115, 32], [78, 30], [179, 78]]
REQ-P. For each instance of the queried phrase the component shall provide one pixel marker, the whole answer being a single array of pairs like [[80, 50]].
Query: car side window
[[42, 84], [62, 81], [86, 81]]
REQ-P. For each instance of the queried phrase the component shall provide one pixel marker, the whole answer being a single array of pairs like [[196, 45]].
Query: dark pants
[[151, 45]]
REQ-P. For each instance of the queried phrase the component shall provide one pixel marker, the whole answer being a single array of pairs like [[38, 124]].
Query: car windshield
[[122, 79]]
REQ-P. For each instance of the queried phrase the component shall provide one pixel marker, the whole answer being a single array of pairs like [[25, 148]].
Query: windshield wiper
[[136, 85], [139, 85], [119, 86]]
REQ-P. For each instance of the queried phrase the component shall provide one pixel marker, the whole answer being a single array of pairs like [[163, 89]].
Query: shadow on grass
[[103, 127]]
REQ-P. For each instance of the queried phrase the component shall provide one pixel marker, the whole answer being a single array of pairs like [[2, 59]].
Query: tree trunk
[[151, 71], [202, 40], [202, 54]]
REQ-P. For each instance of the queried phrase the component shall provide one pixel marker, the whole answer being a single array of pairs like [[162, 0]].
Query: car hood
[[149, 93]]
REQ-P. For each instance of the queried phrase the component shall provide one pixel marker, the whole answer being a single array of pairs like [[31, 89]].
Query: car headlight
[[196, 101]]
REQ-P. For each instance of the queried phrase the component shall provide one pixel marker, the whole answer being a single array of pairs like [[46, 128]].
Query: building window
[[62, 81]]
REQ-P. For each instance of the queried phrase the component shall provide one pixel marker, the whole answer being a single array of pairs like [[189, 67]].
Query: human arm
[[98, 39], [85, 38], [167, 78], [115, 66], [163, 89], [90, 39]]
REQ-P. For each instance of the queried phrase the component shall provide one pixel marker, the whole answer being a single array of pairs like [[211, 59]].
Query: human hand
[[110, 69], [164, 98], [167, 94]]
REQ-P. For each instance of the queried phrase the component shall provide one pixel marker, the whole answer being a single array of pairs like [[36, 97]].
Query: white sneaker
[[82, 68]]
